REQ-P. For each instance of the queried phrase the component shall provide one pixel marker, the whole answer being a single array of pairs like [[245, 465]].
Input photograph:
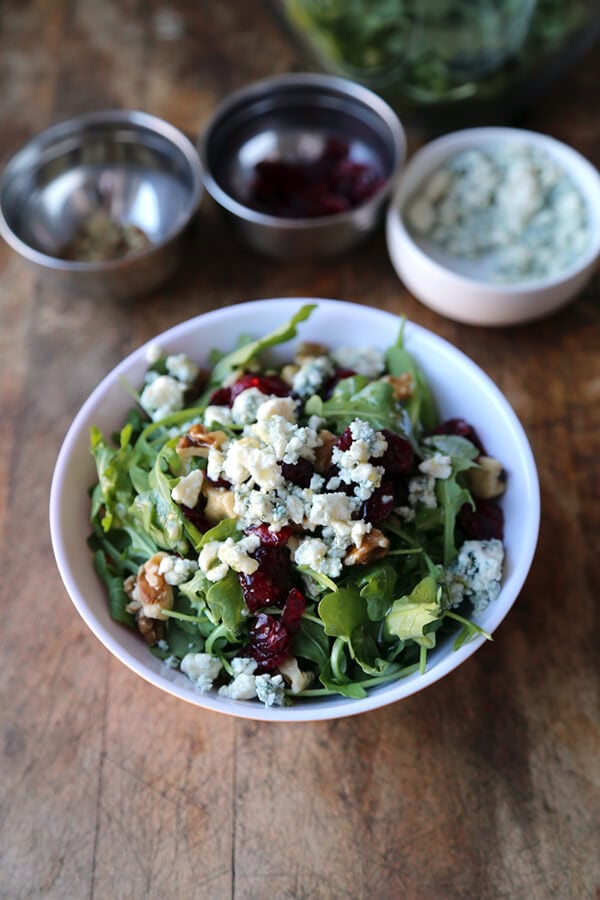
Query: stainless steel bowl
[[290, 117], [133, 168]]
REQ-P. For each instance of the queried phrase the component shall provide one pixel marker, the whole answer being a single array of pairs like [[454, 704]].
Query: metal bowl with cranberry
[[302, 164]]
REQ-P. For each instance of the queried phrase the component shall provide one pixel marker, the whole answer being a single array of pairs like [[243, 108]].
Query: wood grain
[[484, 786]]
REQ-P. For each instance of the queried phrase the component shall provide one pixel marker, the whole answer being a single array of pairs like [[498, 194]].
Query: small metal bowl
[[138, 172], [290, 118]]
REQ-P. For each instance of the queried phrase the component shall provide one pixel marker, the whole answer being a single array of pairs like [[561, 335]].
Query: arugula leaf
[[225, 601], [221, 531], [459, 448], [322, 581], [377, 588], [195, 590], [421, 405], [183, 640], [342, 611], [114, 493], [141, 525], [242, 356], [311, 643], [183, 605], [365, 650], [117, 598], [358, 398], [348, 689], [410, 614], [451, 494], [468, 631]]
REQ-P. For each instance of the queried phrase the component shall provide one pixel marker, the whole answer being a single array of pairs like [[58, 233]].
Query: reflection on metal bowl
[[101, 203]]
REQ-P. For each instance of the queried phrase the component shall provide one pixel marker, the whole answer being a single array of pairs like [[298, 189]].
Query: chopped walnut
[[150, 629], [198, 441], [293, 675], [487, 481], [403, 386], [288, 372], [323, 453], [374, 545], [219, 503], [150, 594], [310, 350]]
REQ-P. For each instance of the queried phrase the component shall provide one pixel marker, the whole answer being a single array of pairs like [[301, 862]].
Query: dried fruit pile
[[331, 183]]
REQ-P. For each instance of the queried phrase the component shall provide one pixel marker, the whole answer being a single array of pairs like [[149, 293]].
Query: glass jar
[[476, 60]]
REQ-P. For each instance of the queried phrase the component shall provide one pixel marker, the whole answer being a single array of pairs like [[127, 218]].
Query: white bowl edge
[[468, 299], [494, 419]]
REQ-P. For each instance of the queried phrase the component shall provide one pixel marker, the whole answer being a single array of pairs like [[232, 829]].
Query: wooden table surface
[[485, 785]]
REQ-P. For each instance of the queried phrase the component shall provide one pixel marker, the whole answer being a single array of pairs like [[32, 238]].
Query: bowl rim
[[59, 130], [425, 161], [332, 707], [318, 82]]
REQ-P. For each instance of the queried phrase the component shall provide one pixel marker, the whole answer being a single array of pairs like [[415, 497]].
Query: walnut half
[[403, 386], [488, 480], [374, 545], [198, 441], [150, 593], [323, 452]]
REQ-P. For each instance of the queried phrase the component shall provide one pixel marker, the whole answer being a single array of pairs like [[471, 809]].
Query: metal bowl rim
[[344, 86], [46, 137]]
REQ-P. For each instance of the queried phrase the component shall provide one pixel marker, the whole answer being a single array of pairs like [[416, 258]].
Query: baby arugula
[[375, 622]]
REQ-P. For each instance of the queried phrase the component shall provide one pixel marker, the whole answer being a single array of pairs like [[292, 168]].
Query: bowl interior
[[134, 175], [293, 122], [460, 388]]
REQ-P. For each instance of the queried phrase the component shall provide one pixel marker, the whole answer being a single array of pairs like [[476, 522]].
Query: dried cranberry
[[218, 482], [398, 458], [269, 642], [484, 522], [380, 503], [326, 185], [221, 397], [269, 585], [336, 148], [273, 538], [299, 473], [258, 590], [267, 384], [356, 181], [344, 442], [196, 516], [293, 610], [462, 429], [343, 487]]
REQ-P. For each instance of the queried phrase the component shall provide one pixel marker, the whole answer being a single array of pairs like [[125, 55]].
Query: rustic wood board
[[487, 784]]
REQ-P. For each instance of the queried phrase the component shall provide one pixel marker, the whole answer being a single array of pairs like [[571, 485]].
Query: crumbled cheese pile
[[253, 465], [203, 670], [513, 201]]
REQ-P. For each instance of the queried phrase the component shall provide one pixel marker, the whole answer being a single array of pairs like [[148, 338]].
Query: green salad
[[283, 531]]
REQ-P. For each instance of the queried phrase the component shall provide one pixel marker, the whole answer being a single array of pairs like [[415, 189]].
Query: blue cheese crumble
[[512, 202], [163, 396], [202, 669], [245, 685], [253, 464], [218, 557], [476, 574]]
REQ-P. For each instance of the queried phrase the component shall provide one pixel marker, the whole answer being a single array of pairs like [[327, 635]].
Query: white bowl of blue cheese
[[495, 226]]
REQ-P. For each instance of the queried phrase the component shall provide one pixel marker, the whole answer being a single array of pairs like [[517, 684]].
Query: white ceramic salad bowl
[[460, 389]]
